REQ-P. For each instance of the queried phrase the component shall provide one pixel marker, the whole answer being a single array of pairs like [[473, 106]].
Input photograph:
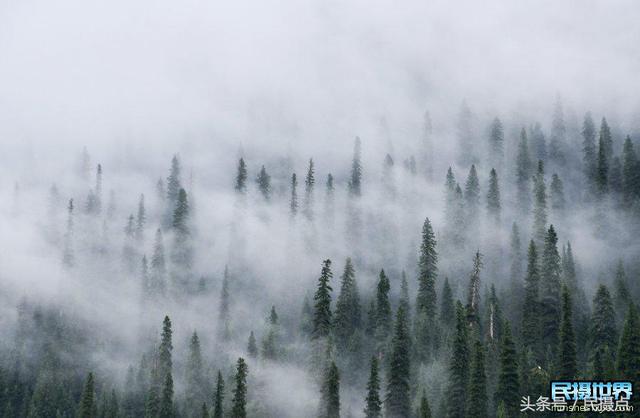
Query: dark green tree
[[88, 406], [628, 361], [218, 397], [473, 294], [166, 400], [493, 196], [447, 307], [309, 182], [622, 297], [355, 182], [604, 333], [606, 140], [165, 362], [330, 393], [293, 203], [252, 347], [589, 151], [567, 363], [347, 313], [264, 183], [630, 172], [241, 177], [373, 404], [549, 291], [508, 382], [472, 197], [602, 167], [239, 408], [523, 173], [195, 379], [398, 397], [459, 367], [539, 205], [224, 319], [424, 411], [556, 189], [383, 313], [496, 142], [477, 402], [322, 321]]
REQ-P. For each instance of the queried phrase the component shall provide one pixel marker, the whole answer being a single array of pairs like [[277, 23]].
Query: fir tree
[[181, 254], [477, 401], [604, 333], [459, 367], [404, 293], [515, 271], [472, 196], [615, 177], [347, 313], [224, 326], [293, 203], [195, 378], [567, 363], [166, 400], [493, 196], [447, 307], [558, 131], [165, 362], [329, 198], [309, 182], [355, 182], [523, 171], [427, 272], [218, 397], [204, 411], [330, 393], [508, 383], [373, 404], [241, 177], [383, 312], [270, 343], [622, 297], [589, 152], [538, 142], [174, 180], [239, 407], [628, 361], [322, 320], [630, 173], [602, 167], [88, 407], [252, 347], [264, 183], [398, 397], [549, 290], [539, 205], [605, 140], [141, 219], [493, 316], [473, 295], [557, 194]]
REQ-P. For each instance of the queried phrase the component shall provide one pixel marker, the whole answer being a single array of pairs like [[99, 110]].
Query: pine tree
[[373, 404], [166, 400], [496, 142], [322, 320], [602, 166], [628, 361], [240, 392], [88, 406], [615, 178], [557, 194], [241, 177], [424, 411], [508, 383], [447, 307], [567, 363], [218, 397], [165, 363], [589, 151], [473, 295], [398, 397], [180, 222], [383, 312], [622, 297], [539, 205], [329, 198], [549, 290], [293, 202], [252, 347], [515, 271], [141, 219], [531, 305], [264, 183], [355, 182], [98, 188], [270, 344], [472, 196], [477, 402], [404, 294], [330, 393], [309, 182], [523, 172], [174, 180], [427, 272], [459, 367], [606, 140], [493, 196], [604, 333], [630, 172], [347, 313], [194, 375]]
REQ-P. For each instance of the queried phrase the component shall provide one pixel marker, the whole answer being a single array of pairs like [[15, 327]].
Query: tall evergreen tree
[[539, 205], [330, 393], [493, 196], [241, 177], [523, 172], [166, 400], [427, 272], [424, 411], [165, 362], [628, 361], [606, 140], [538, 142], [68, 255], [508, 391], [293, 202], [264, 183], [558, 202], [88, 405], [630, 173], [218, 397], [477, 402], [550, 283], [602, 165], [322, 321], [622, 297], [604, 333], [472, 197], [496, 142], [558, 131], [383, 312], [252, 346], [329, 198], [347, 313], [531, 307], [459, 367], [373, 404], [567, 363], [195, 378], [141, 219], [224, 324], [355, 182], [270, 343], [398, 397], [309, 183], [447, 307], [239, 408], [589, 151], [473, 295]]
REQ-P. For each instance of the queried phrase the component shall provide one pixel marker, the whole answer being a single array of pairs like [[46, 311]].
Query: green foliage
[[322, 320], [88, 406], [241, 177], [459, 367], [508, 383], [398, 396], [373, 404], [218, 397], [347, 313], [567, 364], [330, 393], [477, 402], [239, 408]]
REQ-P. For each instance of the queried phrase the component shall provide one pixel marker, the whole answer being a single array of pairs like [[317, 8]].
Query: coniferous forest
[[433, 256]]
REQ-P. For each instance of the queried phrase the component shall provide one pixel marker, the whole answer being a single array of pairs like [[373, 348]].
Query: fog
[[279, 82]]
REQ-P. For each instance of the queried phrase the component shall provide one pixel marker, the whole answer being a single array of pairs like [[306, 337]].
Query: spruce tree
[[330, 393], [615, 178], [628, 361], [373, 404], [508, 383], [605, 140], [459, 367], [523, 171], [347, 313], [174, 181], [68, 255], [195, 378], [270, 343], [538, 142], [88, 406], [329, 199], [322, 320], [602, 168], [567, 363], [630, 173], [447, 307], [181, 252], [355, 182], [539, 205], [398, 397], [473, 294], [477, 401], [383, 312], [165, 363], [264, 183], [218, 397], [472, 197], [204, 411], [557, 194], [604, 333], [622, 297], [309, 183], [549, 291], [589, 151], [252, 347], [493, 196], [241, 177], [293, 202], [427, 272], [166, 400], [239, 408]]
